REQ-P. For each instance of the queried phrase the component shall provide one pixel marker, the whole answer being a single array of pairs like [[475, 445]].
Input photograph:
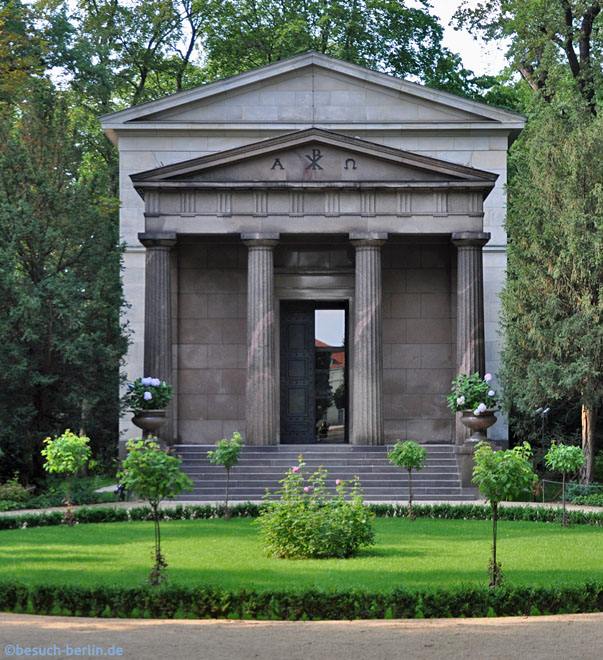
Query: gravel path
[[565, 637]]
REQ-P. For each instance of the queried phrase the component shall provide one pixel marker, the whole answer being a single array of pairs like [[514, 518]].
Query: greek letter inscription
[[350, 164], [277, 164], [314, 158]]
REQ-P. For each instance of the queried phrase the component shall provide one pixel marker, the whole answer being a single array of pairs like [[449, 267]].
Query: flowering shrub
[[307, 521], [472, 393], [148, 394]]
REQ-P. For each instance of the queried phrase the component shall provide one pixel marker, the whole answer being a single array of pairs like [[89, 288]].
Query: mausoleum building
[[314, 250]]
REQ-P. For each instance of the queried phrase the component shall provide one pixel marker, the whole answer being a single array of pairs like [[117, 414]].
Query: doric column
[[470, 343], [261, 414], [367, 369], [158, 310]]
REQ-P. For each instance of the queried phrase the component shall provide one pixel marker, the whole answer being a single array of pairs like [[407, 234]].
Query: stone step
[[261, 468], [247, 492], [395, 498]]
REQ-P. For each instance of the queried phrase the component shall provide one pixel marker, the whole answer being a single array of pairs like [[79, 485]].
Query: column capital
[[368, 238], [260, 239], [158, 239], [470, 238]]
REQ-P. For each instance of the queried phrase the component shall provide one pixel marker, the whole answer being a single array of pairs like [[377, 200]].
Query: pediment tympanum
[[312, 157]]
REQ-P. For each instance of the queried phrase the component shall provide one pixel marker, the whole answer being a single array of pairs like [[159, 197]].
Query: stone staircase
[[261, 468]]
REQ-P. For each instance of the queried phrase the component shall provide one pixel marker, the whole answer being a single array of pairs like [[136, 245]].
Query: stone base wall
[[211, 340], [418, 336]]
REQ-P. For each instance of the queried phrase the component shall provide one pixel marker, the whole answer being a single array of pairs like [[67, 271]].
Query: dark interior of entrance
[[313, 372]]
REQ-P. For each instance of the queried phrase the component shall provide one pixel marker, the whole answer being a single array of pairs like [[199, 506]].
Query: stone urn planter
[[478, 424], [150, 421]]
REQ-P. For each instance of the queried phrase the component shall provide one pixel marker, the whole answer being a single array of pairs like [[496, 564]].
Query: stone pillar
[[470, 342], [261, 395], [158, 312], [367, 342]]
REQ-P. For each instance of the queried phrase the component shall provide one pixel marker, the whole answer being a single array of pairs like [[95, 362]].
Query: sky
[[477, 56]]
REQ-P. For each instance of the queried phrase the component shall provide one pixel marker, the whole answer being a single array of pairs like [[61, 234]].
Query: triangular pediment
[[314, 89], [314, 155]]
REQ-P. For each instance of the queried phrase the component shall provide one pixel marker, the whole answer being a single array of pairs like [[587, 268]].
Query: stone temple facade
[[314, 250]]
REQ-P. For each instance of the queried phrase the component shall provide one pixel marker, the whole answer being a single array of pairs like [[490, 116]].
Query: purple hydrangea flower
[[146, 381], [488, 377], [147, 396], [155, 382]]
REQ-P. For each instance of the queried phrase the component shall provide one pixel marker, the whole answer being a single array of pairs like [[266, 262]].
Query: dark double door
[[313, 373]]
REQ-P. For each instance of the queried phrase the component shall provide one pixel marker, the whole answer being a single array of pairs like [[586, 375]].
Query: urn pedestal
[[478, 424], [150, 421]]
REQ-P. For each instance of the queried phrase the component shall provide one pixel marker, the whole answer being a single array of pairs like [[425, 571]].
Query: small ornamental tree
[[500, 476], [68, 454], [227, 454], [154, 475], [567, 460], [411, 456]]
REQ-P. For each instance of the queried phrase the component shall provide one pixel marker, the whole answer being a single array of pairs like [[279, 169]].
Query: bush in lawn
[[67, 455], [306, 521], [411, 456], [567, 460], [154, 475], [227, 454], [500, 476], [13, 491]]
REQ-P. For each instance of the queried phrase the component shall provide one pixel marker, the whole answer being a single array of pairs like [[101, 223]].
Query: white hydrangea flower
[[460, 401], [491, 393]]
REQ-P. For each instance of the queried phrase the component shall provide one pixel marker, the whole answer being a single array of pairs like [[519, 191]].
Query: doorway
[[314, 372]]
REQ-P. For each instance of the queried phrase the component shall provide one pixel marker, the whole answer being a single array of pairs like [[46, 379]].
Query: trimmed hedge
[[207, 602], [249, 510]]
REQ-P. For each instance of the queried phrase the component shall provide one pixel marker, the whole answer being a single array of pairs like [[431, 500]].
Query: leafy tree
[[552, 304], [227, 454], [61, 339], [500, 476], [555, 45], [21, 49], [396, 37], [67, 454], [567, 460], [411, 456], [154, 475]]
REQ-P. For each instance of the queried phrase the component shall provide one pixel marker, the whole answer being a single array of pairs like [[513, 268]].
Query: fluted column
[[261, 414], [470, 343], [367, 371], [158, 311]]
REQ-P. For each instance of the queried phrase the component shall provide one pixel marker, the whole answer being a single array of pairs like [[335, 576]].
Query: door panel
[[297, 373]]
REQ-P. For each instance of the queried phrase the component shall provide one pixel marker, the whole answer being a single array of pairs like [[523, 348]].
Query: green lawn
[[421, 554]]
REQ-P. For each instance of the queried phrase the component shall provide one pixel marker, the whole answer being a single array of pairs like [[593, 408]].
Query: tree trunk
[[227, 510], [410, 512], [564, 519], [589, 420]]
